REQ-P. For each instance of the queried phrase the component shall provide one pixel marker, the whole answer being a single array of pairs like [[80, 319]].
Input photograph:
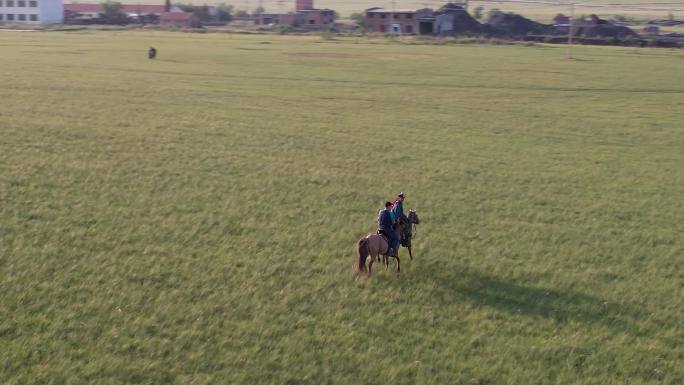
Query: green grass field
[[192, 219]]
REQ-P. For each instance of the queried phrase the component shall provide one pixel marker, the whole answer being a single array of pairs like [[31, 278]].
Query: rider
[[398, 206], [385, 227], [398, 211]]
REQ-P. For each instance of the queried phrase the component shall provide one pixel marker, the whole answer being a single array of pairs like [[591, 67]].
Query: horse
[[372, 246], [368, 250], [407, 229]]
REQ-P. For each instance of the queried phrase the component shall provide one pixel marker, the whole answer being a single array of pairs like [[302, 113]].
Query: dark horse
[[373, 246], [405, 231]]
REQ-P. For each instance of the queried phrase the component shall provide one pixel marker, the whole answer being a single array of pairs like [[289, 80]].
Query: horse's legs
[[370, 265], [410, 255], [398, 264]]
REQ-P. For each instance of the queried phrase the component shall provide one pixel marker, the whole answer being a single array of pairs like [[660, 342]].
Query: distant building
[[301, 5], [396, 21], [651, 30], [595, 27], [304, 16], [93, 10], [31, 11], [561, 20], [179, 19], [451, 18]]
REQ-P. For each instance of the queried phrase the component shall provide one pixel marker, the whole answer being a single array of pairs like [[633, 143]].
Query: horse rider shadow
[[561, 306]]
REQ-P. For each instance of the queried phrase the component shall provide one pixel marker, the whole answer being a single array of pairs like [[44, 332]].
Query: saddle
[[384, 236], [387, 241]]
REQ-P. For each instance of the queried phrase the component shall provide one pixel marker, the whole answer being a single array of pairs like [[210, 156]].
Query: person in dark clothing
[[152, 53], [385, 227]]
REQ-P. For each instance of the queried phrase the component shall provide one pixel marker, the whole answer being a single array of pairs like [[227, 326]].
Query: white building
[[31, 11]]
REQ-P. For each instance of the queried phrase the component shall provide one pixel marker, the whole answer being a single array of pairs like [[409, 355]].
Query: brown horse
[[368, 250], [372, 246]]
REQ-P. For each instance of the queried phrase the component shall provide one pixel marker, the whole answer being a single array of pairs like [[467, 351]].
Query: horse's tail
[[361, 254]]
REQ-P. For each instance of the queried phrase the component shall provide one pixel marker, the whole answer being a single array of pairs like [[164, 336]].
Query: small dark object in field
[[152, 53]]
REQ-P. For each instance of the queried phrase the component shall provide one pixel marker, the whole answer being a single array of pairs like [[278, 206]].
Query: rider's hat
[[401, 194]]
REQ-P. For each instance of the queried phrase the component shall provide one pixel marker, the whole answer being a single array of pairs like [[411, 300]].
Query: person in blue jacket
[[398, 208], [385, 224], [398, 214]]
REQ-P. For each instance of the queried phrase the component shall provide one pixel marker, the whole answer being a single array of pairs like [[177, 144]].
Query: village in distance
[[451, 19]]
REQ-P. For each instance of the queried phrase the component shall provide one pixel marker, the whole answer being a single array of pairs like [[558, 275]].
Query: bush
[[284, 29], [224, 12], [359, 18], [112, 13]]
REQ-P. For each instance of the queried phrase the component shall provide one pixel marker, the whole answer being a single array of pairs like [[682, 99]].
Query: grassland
[[191, 220]]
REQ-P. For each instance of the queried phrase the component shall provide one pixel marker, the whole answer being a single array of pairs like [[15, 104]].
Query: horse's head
[[413, 217]]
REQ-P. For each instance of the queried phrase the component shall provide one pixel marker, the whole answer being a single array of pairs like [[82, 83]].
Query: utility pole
[[571, 29]]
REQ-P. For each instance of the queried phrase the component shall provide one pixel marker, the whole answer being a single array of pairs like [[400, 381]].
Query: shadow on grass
[[528, 300]]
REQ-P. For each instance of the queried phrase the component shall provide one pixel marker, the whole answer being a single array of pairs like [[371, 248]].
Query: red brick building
[[391, 21], [400, 21], [449, 19], [180, 19], [302, 5], [304, 16]]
